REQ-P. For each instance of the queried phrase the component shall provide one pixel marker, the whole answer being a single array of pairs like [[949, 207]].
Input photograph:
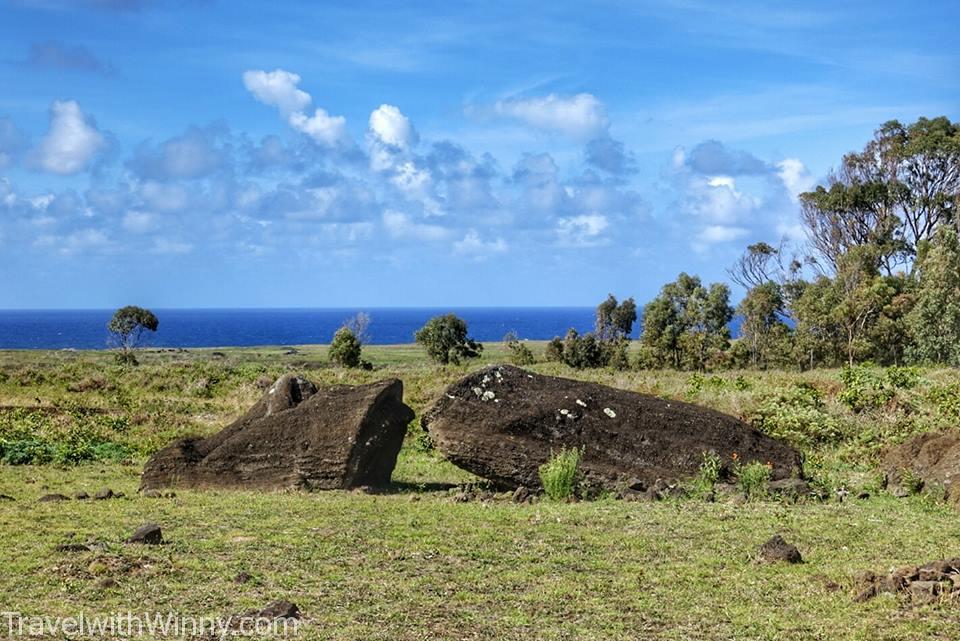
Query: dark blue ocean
[[86, 329]]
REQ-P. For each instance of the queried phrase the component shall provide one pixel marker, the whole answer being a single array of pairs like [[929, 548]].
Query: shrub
[[798, 416], [559, 474], [554, 351], [345, 348], [753, 479], [520, 354], [446, 341], [582, 352], [903, 377], [617, 357], [708, 474], [947, 399], [864, 388]]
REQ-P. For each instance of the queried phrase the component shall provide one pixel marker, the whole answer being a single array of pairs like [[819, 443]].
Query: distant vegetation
[[126, 330], [446, 341]]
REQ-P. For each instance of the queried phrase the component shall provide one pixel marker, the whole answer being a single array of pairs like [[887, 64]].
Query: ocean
[[86, 329]]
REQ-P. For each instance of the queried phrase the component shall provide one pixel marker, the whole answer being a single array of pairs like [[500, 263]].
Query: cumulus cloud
[[715, 234], [609, 155], [475, 246], [712, 157], [194, 154], [390, 127], [322, 127], [585, 230], [70, 143], [401, 225], [795, 176], [277, 88], [57, 55], [582, 117], [139, 222], [77, 242]]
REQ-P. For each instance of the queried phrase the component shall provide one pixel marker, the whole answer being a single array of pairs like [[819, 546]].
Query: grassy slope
[[415, 565]]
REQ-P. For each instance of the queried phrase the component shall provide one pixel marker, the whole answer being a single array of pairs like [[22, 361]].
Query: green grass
[[414, 564]]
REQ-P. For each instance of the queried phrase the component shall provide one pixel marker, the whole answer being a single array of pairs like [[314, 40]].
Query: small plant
[[446, 341], [558, 475], [911, 481], [864, 388], [553, 352], [708, 474], [903, 377], [753, 479]]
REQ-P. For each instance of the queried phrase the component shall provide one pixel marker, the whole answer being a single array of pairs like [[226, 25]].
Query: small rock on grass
[[148, 533], [6, 497], [280, 610], [73, 547], [521, 495], [81, 496], [50, 498], [106, 583], [243, 577], [103, 494], [777, 549]]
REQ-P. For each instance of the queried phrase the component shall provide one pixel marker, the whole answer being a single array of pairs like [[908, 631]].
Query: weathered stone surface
[[148, 533], [923, 584], [503, 422], [777, 549], [932, 457], [296, 436], [51, 498]]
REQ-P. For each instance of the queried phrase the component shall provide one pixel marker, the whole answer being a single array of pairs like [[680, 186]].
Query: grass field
[[414, 564]]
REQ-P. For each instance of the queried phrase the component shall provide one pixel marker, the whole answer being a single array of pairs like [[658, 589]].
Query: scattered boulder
[[777, 549], [81, 496], [73, 547], [148, 533], [279, 610], [921, 584], [932, 458], [51, 498], [502, 423], [520, 495], [296, 436], [103, 494]]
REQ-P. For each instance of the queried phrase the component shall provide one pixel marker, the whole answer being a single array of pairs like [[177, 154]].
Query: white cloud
[[400, 225], [138, 222], [322, 127], [71, 141], [278, 89], [77, 242], [474, 245], [717, 199], [390, 127], [795, 176], [584, 230], [165, 246], [582, 116], [720, 234]]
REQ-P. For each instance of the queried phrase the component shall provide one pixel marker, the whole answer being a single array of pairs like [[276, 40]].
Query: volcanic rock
[[502, 423], [933, 458], [295, 436]]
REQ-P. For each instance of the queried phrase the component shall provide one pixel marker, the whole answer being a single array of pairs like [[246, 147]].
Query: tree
[[615, 320], [893, 195], [520, 354], [762, 328], [126, 330], [359, 324], [345, 349], [446, 341], [686, 322], [935, 319]]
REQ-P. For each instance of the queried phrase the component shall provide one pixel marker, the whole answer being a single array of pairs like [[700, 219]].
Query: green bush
[[553, 353], [865, 388], [345, 349], [947, 399], [446, 341], [798, 416], [903, 377], [753, 479], [520, 353], [559, 474], [708, 474]]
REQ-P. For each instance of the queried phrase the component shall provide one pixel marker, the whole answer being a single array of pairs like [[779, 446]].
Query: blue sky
[[301, 154]]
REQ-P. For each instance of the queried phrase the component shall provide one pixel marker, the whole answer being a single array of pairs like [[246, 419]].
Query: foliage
[[614, 321], [865, 388], [798, 416], [345, 350], [558, 475], [126, 330], [446, 341], [520, 354], [946, 398], [762, 330], [687, 323], [553, 352], [707, 474], [753, 479], [935, 319]]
